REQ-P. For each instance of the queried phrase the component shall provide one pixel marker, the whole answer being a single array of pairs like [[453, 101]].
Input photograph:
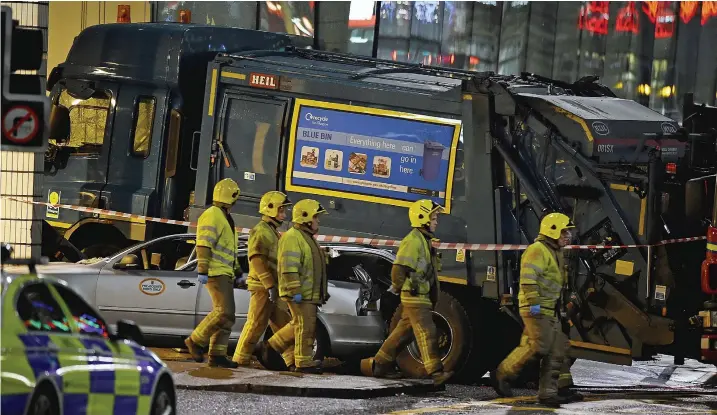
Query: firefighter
[[216, 265], [542, 277], [264, 307], [303, 285], [414, 277]]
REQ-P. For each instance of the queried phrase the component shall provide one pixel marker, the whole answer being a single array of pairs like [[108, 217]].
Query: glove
[[298, 298], [393, 290], [535, 310], [240, 281], [203, 278], [273, 294]]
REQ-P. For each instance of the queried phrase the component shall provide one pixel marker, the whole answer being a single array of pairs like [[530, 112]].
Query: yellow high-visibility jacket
[[264, 241], [542, 277], [215, 233], [415, 253], [302, 266]]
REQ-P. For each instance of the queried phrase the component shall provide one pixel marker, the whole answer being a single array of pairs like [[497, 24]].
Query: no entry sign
[[20, 124]]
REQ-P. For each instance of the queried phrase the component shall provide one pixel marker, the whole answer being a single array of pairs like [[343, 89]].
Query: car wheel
[[164, 401], [44, 401], [454, 338], [321, 342]]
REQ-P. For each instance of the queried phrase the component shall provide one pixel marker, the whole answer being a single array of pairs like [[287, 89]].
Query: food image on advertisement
[[334, 160], [382, 167], [309, 157], [357, 163]]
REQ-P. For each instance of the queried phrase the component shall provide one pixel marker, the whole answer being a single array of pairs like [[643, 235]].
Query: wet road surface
[[652, 387]]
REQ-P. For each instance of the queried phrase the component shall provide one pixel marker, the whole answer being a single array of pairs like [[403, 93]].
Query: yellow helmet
[[421, 210], [553, 224], [226, 191], [305, 210], [271, 202]]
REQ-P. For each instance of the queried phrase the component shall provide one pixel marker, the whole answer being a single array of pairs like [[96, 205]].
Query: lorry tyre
[[454, 339]]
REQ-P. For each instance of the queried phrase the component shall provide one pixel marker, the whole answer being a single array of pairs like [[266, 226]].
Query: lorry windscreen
[[88, 121]]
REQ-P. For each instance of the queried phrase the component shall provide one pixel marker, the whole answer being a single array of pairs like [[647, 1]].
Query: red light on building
[[123, 14], [709, 9], [473, 60], [671, 168], [688, 9], [627, 19], [394, 55], [665, 21], [594, 17], [185, 16]]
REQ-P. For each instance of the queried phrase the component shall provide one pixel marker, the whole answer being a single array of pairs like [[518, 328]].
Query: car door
[[144, 284], [118, 379], [241, 301]]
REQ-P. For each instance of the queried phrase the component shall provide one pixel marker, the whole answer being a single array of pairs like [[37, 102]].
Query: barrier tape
[[355, 240]]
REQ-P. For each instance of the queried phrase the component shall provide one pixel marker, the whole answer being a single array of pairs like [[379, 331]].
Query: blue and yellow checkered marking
[[93, 374]]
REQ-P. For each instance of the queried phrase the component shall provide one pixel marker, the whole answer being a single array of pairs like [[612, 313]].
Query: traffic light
[[25, 107]]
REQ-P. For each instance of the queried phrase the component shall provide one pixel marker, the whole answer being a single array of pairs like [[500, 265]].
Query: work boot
[[222, 361], [440, 377], [501, 385], [387, 371], [553, 401], [242, 364], [570, 395], [267, 356], [195, 350], [316, 368]]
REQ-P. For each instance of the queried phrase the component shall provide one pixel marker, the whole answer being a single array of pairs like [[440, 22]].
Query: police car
[[58, 356]]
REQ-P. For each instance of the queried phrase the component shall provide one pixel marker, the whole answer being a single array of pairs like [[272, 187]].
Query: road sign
[[20, 124]]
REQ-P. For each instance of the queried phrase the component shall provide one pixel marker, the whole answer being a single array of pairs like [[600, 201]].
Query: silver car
[[154, 284]]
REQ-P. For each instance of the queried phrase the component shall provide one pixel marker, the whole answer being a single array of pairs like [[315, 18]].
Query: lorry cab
[[126, 104]]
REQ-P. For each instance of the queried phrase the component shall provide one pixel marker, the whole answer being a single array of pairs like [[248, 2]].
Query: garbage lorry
[[366, 137]]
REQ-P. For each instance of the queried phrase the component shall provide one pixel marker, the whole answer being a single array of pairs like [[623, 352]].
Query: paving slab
[[198, 376]]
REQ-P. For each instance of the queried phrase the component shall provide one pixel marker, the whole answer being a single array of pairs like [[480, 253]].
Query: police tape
[[352, 239]]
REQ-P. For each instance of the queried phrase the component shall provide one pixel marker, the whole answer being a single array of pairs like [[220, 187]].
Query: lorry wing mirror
[[60, 124], [79, 89], [128, 330]]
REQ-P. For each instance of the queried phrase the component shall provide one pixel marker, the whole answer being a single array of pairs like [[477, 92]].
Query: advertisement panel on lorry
[[370, 154]]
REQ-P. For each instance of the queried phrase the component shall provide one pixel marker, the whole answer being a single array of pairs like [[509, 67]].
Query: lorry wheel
[[454, 339]]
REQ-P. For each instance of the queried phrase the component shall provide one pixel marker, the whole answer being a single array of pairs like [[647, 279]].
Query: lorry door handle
[[186, 284]]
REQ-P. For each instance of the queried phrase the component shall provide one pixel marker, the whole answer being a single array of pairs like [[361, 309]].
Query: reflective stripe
[[551, 286], [209, 239], [223, 260], [290, 254], [292, 284], [206, 228], [536, 268], [224, 250]]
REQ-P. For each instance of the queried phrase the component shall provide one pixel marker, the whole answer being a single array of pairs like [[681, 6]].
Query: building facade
[[648, 51], [21, 173]]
